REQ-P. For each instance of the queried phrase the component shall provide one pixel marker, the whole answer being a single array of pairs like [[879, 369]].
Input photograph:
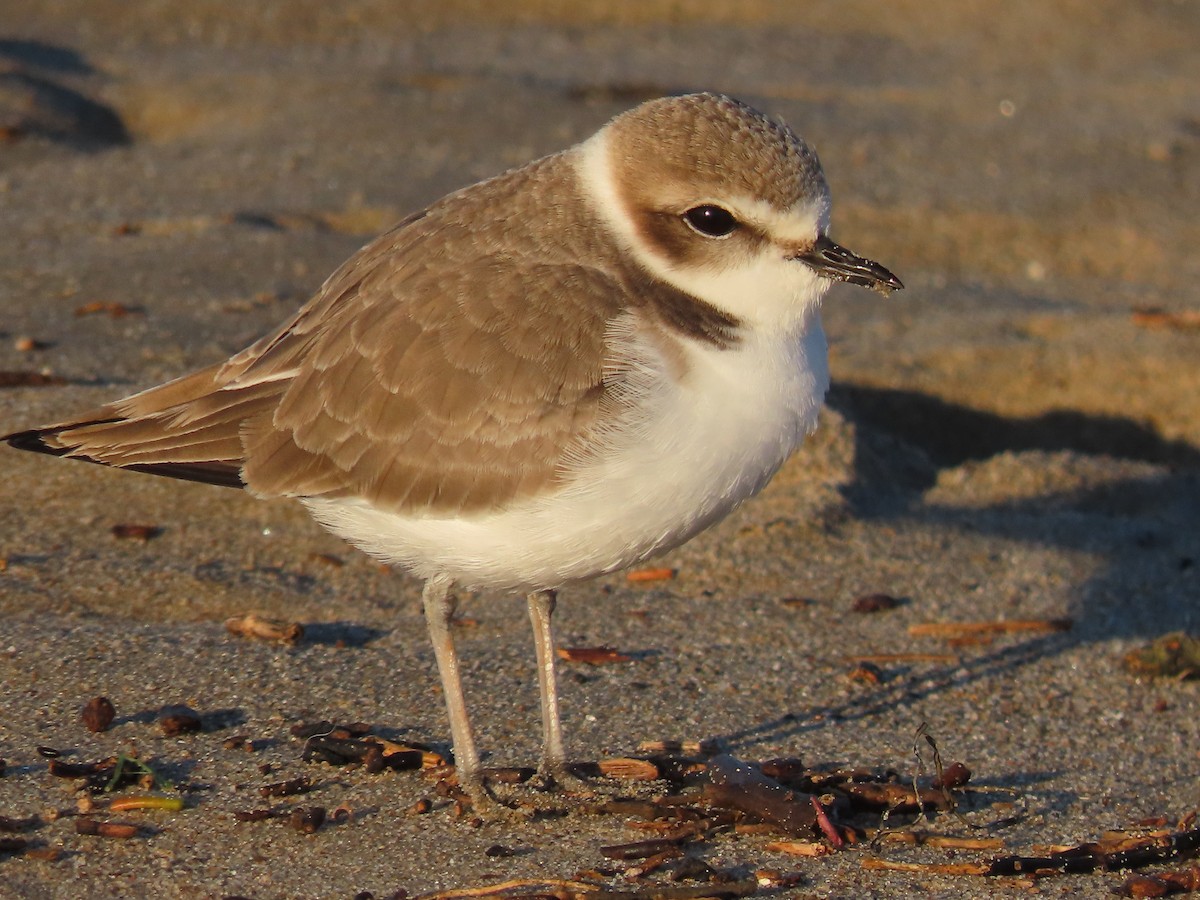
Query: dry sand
[[1006, 439]]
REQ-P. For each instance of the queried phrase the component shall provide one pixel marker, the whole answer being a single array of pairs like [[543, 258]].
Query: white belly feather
[[693, 451]]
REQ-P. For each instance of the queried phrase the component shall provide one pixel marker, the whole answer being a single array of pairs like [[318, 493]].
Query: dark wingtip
[[220, 473], [34, 440]]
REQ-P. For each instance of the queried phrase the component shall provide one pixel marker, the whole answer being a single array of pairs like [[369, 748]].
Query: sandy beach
[[1014, 438]]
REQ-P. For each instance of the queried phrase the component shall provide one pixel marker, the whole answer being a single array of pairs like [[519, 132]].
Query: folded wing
[[447, 367]]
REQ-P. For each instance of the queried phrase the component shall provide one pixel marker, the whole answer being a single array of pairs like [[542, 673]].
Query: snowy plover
[[541, 378]]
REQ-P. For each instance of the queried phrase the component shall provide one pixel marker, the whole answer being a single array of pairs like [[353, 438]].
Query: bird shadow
[[950, 433], [1143, 528]]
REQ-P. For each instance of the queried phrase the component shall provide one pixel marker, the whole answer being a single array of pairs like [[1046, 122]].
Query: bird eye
[[711, 221]]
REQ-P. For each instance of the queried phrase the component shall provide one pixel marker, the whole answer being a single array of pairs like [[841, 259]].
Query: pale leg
[[541, 608], [439, 608]]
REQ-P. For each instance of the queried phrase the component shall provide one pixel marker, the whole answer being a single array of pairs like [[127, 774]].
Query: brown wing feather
[[455, 364], [454, 387], [401, 381]]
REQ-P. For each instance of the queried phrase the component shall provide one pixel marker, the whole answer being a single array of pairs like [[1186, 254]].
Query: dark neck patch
[[680, 311]]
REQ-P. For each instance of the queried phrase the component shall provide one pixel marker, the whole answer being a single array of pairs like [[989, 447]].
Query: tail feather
[[189, 428]]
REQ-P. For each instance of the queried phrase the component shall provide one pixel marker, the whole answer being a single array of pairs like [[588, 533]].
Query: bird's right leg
[[439, 606]]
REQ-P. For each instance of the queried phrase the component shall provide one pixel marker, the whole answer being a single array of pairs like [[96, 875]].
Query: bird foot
[[489, 808], [562, 777], [546, 792]]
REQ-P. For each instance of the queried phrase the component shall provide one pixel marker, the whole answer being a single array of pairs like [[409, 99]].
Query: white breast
[[691, 450]]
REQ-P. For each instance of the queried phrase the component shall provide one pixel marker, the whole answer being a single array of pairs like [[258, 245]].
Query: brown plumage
[[402, 383]]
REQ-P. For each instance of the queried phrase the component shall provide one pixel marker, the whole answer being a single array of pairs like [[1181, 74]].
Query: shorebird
[[545, 377]]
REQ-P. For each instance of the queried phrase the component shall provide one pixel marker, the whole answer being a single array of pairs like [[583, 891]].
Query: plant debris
[[113, 309], [112, 774], [97, 773], [146, 801], [737, 785], [12, 826], [307, 819], [642, 576], [312, 729], [131, 531], [118, 830], [874, 603], [1175, 655], [177, 720], [798, 811], [1164, 884], [562, 889], [264, 629], [976, 629], [629, 768], [21, 378], [866, 673], [1156, 317], [1114, 851], [300, 785], [593, 656], [97, 714], [344, 745]]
